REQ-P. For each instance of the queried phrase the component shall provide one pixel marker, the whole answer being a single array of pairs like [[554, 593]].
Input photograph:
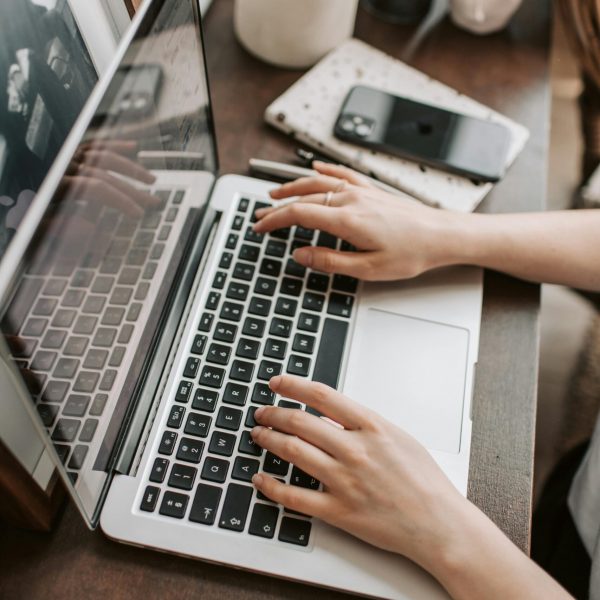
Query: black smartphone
[[425, 134]]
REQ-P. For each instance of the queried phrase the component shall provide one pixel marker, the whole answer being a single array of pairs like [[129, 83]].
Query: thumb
[[333, 261]]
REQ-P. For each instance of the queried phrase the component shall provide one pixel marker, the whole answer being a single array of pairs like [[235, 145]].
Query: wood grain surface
[[508, 71]]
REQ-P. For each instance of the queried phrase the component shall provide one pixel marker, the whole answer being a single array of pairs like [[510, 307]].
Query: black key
[[105, 337], [21, 347], [257, 206], [275, 248], [174, 505], [232, 240], [275, 348], [262, 394], [275, 465], [294, 269], [302, 479], [48, 413], [248, 445], [164, 233], [36, 327], [304, 234], [340, 305], [149, 270], [86, 381], [150, 498], [182, 477], [76, 405], [225, 332], [85, 325], [326, 240], [62, 451], [215, 469], [218, 354], [66, 368], [237, 291], [243, 271], [43, 360], [250, 420], [298, 365], [344, 283], [197, 425], [213, 301], [98, 404], [190, 450], [294, 531], [167, 443], [248, 348], [243, 205], [54, 339], [235, 394], [113, 315], [199, 344], [205, 400], [241, 371], [95, 304], [238, 221], [66, 430], [108, 380], [109, 266], [265, 286], [212, 376], [347, 247], [298, 244], [44, 307], [142, 290], [176, 417], [184, 389], [171, 215], [249, 252], [304, 343], [206, 321], [244, 468], [289, 404], [253, 236], [222, 443], [235, 508], [150, 221], [313, 301], [268, 369], [331, 351], [254, 327], [232, 311], [264, 520], [259, 306], [308, 322], [317, 282], [280, 327], [143, 239], [159, 470], [291, 287], [271, 267], [205, 504], [219, 280], [103, 284], [88, 430], [286, 307], [192, 366], [129, 276], [282, 234], [229, 418], [116, 358], [136, 257], [179, 196], [54, 287], [78, 457]]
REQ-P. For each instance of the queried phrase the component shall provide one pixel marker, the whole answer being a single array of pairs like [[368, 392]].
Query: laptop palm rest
[[413, 372]]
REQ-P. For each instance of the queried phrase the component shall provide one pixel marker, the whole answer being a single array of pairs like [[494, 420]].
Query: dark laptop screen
[[96, 282]]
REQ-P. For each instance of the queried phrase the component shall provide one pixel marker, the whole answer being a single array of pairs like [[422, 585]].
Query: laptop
[[142, 319]]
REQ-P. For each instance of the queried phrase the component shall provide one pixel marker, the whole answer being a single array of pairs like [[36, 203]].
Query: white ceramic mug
[[293, 33], [483, 16]]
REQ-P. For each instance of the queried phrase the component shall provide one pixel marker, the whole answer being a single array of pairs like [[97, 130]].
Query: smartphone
[[426, 134]]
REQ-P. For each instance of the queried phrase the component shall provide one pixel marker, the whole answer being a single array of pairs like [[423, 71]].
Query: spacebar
[[331, 352]]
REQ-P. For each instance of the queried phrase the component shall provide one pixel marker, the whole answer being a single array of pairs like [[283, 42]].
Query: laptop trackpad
[[412, 372]]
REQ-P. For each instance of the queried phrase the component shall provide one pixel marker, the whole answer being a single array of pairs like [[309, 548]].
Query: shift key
[[235, 507]]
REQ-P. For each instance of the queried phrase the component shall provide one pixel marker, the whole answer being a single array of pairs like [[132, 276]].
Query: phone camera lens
[[363, 130], [348, 125]]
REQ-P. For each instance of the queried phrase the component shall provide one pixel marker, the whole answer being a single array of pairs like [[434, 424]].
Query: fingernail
[[275, 382], [259, 411], [260, 211], [303, 256], [257, 479], [257, 226], [256, 430], [318, 163]]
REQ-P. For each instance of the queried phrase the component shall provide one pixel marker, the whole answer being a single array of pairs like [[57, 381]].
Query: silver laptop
[[142, 341]]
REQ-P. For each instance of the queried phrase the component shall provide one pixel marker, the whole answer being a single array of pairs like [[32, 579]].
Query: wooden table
[[508, 71]]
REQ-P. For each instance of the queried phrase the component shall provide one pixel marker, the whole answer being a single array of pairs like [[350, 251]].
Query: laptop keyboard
[[73, 318], [264, 315]]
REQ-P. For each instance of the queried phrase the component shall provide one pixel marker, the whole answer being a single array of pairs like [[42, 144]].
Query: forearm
[[560, 247]]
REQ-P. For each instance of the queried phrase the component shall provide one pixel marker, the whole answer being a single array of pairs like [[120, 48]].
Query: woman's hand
[[396, 237]]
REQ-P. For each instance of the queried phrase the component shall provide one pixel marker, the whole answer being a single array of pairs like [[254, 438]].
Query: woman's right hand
[[396, 237]]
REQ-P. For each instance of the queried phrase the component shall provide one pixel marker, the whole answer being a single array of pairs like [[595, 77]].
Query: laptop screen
[[95, 277]]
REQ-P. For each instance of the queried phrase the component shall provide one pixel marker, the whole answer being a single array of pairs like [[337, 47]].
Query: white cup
[[483, 16], [293, 33]]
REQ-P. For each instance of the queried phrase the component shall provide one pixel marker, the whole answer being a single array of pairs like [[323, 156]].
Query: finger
[[309, 502], [120, 164], [341, 172], [322, 398], [310, 428], [295, 450], [354, 264], [124, 147], [311, 216], [306, 185], [336, 199]]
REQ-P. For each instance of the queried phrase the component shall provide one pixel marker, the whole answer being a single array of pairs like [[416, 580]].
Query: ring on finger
[[328, 197]]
